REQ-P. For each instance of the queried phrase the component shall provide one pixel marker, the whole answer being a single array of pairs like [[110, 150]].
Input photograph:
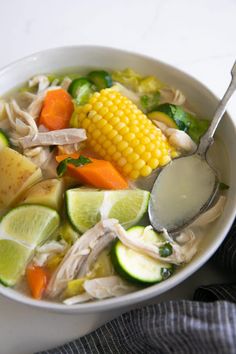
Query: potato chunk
[[17, 173], [48, 192]]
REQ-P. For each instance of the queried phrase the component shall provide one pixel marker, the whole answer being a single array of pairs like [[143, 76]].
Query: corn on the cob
[[119, 132]]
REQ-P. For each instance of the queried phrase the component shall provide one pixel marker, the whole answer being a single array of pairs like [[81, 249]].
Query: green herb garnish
[[62, 167], [223, 186]]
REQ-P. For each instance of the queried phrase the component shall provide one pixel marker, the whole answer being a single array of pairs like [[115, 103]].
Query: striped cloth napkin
[[206, 325]]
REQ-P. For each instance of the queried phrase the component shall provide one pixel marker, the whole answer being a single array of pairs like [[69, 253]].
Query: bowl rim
[[151, 291]]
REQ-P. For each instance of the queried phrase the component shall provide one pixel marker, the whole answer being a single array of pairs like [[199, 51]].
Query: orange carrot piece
[[57, 110], [37, 280], [98, 173]]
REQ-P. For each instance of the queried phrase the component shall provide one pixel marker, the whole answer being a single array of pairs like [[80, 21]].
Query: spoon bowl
[[176, 203]]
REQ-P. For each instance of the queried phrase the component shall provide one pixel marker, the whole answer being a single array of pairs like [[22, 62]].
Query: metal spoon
[[187, 186]]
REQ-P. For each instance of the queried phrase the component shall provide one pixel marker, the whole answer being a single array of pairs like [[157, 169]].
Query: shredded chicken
[[134, 97], [69, 148], [65, 83], [78, 299], [40, 80], [178, 138], [211, 214], [35, 106], [169, 95], [101, 288], [49, 249], [55, 137], [4, 124], [75, 257], [40, 156], [93, 255]]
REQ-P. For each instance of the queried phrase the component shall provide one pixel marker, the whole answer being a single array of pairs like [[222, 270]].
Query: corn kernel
[[151, 147], [97, 106], [92, 143], [145, 171], [86, 123], [96, 134], [133, 157], [164, 160], [134, 174], [96, 118], [109, 103], [153, 163], [116, 156], [124, 130], [174, 154], [139, 164], [108, 116], [140, 149], [129, 136], [119, 126], [121, 162], [112, 134], [101, 139], [101, 123], [134, 129], [134, 143], [122, 145], [114, 120], [107, 128], [113, 109], [87, 108], [145, 140], [103, 111], [91, 114], [111, 150], [117, 139], [90, 129], [127, 168], [127, 151], [106, 144], [146, 156]]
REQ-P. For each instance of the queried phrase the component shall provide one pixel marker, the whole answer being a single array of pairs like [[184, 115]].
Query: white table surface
[[198, 37]]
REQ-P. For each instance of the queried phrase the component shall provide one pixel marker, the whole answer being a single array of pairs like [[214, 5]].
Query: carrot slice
[[37, 280], [57, 110], [98, 173]]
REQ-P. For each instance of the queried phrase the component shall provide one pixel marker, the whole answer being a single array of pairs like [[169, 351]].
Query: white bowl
[[201, 99]]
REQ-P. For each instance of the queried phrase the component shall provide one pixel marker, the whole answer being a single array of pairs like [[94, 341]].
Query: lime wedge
[[85, 207], [129, 206], [29, 224], [13, 259]]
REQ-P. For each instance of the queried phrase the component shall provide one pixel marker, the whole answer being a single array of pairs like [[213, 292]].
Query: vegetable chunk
[[98, 173], [17, 173], [57, 110]]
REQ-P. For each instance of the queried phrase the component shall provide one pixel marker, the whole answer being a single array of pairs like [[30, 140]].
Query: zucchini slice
[[81, 90], [163, 118], [137, 267], [192, 125], [101, 79], [4, 141]]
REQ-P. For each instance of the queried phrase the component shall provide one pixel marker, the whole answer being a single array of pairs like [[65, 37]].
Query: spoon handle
[[207, 138]]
